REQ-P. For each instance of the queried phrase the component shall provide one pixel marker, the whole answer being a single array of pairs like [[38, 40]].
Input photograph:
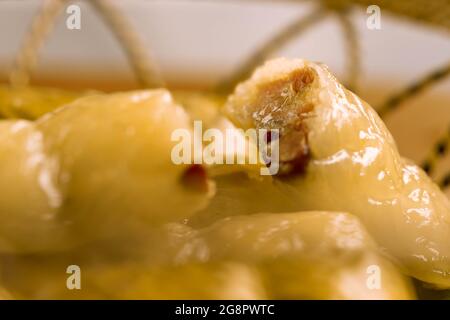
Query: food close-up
[[233, 161]]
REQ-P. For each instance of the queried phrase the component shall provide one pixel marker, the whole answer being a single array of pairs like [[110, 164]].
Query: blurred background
[[200, 44]]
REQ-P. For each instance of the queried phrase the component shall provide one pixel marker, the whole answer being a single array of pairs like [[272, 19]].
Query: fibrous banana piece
[[305, 255], [98, 167], [30, 102], [338, 154]]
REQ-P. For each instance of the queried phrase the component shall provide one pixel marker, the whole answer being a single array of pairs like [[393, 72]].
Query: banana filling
[[351, 160], [94, 183], [281, 103]]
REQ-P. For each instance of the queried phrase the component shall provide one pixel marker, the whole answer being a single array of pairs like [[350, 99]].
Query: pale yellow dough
[[32, 102], [98, 167], [45, 277], [352, 162], [304, 255]]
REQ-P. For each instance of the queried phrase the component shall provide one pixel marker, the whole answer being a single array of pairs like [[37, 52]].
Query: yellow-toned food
[[32, 102], [305, 255], [203, 106], [337, 153], [4, 295], [222, 143], [46, 277], [240, 189], [30, 197], [98, 167], [224, 280], [94, 185], [241, 193]]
